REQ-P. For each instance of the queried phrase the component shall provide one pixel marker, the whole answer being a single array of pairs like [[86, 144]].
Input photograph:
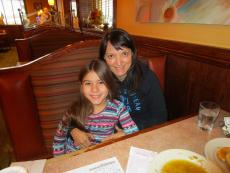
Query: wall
[[212, 35]]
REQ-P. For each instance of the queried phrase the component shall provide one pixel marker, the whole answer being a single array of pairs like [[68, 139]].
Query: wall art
[[184, 11]]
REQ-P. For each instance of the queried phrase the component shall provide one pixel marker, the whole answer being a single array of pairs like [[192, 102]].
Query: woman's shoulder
[[149, 79], [143, 66], [147, 73]]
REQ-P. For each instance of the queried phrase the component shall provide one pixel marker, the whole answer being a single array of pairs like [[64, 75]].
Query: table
[[4, 40], [182, 133]]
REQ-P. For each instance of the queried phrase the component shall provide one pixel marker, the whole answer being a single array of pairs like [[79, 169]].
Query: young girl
[[96, 111]]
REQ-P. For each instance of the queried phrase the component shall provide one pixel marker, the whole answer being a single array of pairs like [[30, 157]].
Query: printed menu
[[110, 165], [138, 162]]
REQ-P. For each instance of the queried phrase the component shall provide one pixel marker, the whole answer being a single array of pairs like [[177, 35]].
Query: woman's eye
[[110, 56], [125, 53]]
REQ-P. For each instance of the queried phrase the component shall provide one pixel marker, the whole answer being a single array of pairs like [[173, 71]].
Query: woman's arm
[[81, 138], [119, 133]]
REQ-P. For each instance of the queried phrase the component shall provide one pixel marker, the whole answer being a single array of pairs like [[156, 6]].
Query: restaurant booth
[[35, 94]]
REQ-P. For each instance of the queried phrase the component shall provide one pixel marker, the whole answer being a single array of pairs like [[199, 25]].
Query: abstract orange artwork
[[184, 11]]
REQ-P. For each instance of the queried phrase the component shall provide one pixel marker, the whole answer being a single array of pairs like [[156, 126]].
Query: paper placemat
[[139, 160]]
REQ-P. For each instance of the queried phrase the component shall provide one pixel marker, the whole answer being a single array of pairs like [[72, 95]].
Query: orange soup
[[181, 166]]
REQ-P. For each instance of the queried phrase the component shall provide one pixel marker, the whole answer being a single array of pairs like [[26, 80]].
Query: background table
[[4, 40]]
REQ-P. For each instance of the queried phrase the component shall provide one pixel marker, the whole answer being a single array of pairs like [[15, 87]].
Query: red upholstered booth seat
[[157, 64]]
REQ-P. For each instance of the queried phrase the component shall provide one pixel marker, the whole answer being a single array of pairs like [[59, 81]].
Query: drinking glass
[[208, 113]]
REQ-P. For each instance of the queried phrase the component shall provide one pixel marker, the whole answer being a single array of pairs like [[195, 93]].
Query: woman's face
[[119, 61]]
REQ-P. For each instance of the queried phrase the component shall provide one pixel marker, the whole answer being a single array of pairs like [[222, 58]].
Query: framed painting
[[184, 11]]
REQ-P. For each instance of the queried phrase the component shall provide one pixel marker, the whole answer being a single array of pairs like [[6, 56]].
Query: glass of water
[[208, 113]]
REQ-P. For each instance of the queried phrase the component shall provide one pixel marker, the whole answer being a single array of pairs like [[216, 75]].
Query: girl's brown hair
[[82, 108]]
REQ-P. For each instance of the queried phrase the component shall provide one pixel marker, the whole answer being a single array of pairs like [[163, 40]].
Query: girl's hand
[[81, 138], [118, 134]]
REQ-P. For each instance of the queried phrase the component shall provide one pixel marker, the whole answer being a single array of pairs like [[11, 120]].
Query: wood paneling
[[193, 73]]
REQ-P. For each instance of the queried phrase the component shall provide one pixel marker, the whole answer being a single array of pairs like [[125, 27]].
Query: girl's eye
[[101, 82], [87, 83]]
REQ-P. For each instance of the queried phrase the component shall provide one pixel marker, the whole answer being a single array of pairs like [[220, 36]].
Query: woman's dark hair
[[82, 108], [120, 38]]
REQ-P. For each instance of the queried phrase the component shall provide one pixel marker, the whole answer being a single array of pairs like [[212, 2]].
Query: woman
[[139, 88]]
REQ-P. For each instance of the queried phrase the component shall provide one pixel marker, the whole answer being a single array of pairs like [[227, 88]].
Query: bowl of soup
[[181, 161]]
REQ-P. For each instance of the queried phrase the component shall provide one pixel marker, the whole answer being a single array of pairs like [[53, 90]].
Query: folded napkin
[[34, 166], [14, 169], [226, 127]]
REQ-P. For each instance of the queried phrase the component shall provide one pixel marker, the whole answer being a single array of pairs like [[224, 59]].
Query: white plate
[[210, 151], [180, 154], [14, 169]]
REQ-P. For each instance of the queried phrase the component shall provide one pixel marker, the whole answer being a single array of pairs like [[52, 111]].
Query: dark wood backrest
[[34, 96]]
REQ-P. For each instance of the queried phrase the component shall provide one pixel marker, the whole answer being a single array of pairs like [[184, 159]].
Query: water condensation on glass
[[208, 114]]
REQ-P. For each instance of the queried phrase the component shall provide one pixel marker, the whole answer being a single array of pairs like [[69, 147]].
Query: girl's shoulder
[[115, 103]]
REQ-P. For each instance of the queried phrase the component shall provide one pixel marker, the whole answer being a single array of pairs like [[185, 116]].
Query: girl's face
[[95, 90], [119, 61]]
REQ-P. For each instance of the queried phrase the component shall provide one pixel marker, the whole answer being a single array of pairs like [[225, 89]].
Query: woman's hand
[[81, 138], [118, 134]]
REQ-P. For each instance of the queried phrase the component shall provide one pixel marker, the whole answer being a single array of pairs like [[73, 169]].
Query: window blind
[[106, 6], [9, 10]]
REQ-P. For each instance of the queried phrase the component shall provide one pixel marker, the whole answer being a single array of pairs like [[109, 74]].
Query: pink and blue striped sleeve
[[127, 123]]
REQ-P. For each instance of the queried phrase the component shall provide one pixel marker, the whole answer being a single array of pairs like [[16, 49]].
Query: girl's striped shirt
[[101, 125]]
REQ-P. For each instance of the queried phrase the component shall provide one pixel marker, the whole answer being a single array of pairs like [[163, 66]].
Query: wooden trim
[[114, 13]]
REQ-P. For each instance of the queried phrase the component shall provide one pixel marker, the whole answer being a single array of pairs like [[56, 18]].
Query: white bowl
[[211, 148], [180, 154]]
